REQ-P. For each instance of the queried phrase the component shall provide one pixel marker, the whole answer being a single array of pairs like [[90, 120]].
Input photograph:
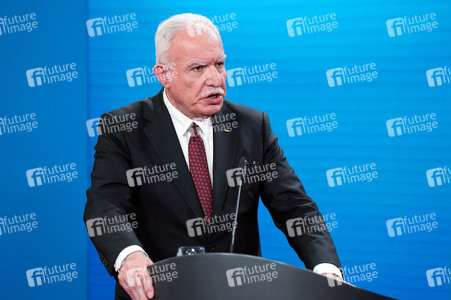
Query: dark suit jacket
[[163, 208]]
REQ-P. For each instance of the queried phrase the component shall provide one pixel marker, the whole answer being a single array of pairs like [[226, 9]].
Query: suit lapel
[[161, 134], [225, 145]]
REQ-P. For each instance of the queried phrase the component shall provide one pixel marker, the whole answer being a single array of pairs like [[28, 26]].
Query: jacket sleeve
[[292, 210], [108, 212]]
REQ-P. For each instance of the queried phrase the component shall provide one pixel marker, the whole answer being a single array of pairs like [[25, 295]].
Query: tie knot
[[194, 128]]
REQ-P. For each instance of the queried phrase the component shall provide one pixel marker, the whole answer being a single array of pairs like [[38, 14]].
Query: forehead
[[203, 47]]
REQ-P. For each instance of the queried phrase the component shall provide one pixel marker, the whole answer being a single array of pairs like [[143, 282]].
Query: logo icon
[[235, 77], [235, 277], [394, 227], [395, 127], [95, 227], [93, 127], [436, 177], [235, 177], [436, 77], [335, 177], [135, 177], [35, 177], [395, 27], [335, 77], [435, 277], [135, 77], [295, 227], [294, 127], [35, 77], [35, 277], [294, 27], [95, 27], [195, 227]]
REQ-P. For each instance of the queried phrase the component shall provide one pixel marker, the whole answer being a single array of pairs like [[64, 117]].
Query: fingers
[[134, 277], [332, 275], [148, 286]]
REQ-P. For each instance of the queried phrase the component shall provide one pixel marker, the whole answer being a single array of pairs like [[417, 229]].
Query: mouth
[[214, 97]]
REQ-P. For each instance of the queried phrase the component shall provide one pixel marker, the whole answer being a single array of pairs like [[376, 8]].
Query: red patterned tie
[[199, 171]]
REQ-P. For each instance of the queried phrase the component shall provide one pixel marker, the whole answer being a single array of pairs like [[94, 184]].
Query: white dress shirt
[[182, 124]]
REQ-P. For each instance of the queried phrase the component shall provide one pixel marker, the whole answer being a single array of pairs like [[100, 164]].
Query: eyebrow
[[200, 63]]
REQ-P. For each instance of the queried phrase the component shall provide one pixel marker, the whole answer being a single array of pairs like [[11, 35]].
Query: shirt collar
[[182, 122]]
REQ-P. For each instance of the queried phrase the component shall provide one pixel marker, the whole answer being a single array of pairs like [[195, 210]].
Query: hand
[[333, 276], [134, 276]]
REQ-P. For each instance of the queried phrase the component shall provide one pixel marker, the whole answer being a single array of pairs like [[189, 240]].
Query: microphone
[[243, 165]]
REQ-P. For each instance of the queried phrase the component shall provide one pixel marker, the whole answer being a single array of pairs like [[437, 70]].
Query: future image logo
[[312, 124], [111, 124], [112, 24], [411, 125], [111, 224], [409, 225], [18, 123], [254, 173], [351, 75], [310, 225], [309, 25], [217, 223], [253, 74], [348, 175], [250, 275], [139, 176], [18, 23], [144, 75], [140, 76], [50, 275], [18, 223], [409, 25], [51, 75], [360, 273], [49, 175]]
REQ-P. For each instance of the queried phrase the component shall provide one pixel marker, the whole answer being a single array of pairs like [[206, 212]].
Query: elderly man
[[189, 131]]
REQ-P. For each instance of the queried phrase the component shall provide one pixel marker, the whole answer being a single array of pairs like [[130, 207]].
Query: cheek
[[223, 76]]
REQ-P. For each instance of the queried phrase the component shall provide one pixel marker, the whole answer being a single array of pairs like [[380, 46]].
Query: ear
[[162, 73]]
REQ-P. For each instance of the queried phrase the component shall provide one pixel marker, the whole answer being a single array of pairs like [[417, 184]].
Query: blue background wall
[[259, 34], [56, 235]]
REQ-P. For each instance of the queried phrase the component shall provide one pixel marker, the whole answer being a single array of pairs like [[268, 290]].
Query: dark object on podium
[[222, 276]]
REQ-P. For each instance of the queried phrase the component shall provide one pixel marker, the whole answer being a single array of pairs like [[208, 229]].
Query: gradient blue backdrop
[[300, 89]]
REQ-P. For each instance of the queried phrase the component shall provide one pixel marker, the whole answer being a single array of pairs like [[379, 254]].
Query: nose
[[213, 77]]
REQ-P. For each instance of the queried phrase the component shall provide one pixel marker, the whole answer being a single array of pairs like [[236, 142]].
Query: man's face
[[199, 88]]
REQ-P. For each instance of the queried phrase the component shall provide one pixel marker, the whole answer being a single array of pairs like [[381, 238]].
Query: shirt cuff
[[126, 252], [327, 268]]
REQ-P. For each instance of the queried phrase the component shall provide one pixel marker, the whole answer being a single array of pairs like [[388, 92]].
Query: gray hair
[[193, 24]]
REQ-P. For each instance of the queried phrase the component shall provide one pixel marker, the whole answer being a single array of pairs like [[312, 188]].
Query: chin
[[211, 110]]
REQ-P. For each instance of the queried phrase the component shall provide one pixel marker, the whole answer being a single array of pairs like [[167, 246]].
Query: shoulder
[[135, 107], [147, 107], [243, 112]]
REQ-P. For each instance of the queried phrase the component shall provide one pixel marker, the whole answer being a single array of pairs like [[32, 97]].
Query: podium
[[225, 276]]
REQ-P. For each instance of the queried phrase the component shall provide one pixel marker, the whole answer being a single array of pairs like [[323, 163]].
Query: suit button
[[210, 248]]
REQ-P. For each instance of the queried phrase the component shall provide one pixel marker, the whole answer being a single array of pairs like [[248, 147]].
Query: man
[[182, 132]]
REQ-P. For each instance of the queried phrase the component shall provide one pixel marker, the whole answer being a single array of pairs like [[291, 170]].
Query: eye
[[220, 64], [197, 68]]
